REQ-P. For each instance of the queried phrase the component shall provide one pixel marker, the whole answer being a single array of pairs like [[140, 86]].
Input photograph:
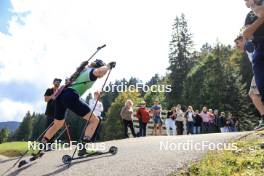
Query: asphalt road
[[136, 156]]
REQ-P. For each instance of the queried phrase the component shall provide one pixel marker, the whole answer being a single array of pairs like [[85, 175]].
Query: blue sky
[[40, 41], [5, 15]]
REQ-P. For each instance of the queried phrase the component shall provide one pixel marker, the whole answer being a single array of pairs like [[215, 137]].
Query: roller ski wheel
[[22, 163], [66, 159], [113, 150]]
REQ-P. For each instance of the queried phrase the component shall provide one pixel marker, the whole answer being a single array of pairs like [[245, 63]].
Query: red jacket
[[143, 114]]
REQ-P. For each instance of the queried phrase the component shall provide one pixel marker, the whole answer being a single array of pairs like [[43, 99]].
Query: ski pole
[[36, 140], [24, 154], [65, 129], [77, 72]]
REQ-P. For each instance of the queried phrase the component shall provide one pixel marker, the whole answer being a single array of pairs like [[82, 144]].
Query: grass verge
[[247, 160], [12, 149]]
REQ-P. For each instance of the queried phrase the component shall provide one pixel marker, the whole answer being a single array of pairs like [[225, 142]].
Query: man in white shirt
[[99, 106], [98, 109]]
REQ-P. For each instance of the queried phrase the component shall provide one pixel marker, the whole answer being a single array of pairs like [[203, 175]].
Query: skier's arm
[[250, 29], [100, 72]]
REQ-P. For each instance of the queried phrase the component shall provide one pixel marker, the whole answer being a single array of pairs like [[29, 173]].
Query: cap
[[57, 79]]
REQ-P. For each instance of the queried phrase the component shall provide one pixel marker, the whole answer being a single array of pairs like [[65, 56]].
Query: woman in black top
[[197, 123]]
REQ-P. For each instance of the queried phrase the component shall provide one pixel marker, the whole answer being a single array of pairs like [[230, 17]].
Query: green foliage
[[218, 77], [113, 126], [216, 81], [38, 125], [151, 96], [4, 134], [109, 97]]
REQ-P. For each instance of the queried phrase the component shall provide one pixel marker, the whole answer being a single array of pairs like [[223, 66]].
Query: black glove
[[111, 65]]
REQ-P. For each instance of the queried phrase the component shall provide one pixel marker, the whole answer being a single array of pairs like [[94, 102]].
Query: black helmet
[[98, 63]]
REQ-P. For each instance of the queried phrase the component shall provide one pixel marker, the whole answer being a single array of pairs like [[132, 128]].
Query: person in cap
[[49, 99]]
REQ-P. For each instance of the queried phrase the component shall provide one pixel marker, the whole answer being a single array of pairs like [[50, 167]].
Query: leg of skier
[[58, 124]]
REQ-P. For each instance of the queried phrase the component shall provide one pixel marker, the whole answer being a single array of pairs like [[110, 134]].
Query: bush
[[112, 128]]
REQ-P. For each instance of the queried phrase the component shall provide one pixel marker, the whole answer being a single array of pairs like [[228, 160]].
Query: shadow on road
[[16, 172], [73, 163], [7, 160]]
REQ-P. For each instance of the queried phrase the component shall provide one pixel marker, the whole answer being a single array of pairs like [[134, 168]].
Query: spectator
[[222, 123], [170, 122], [99, 106], [211, 121], [98, 109], [189, 115], [215, 124], [156, 110], [127, 116], [230, 123], [197, 123], [143, 118], [49, 98], [179, 120], [236, 123], [205, 116]]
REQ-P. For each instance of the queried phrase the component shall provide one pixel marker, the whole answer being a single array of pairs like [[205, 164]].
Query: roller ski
[[33, 157], [66, 159], [39, 154]]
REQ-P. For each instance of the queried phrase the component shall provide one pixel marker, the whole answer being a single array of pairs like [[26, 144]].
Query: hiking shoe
[[260, 126]]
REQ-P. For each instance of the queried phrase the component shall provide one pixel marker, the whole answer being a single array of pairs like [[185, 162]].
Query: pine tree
[[39, 124], [180, 58], [23, 133], [4, 134]]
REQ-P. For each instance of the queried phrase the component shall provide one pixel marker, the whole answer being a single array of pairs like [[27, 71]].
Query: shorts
[[157, 120], [70, 99], [258, 66], [50, 119], [253, 87]]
